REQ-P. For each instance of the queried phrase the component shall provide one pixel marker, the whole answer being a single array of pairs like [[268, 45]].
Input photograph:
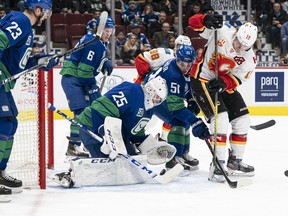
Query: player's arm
[[143, 67]]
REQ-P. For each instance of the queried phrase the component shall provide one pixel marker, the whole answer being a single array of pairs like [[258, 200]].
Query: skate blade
[[237, 173]]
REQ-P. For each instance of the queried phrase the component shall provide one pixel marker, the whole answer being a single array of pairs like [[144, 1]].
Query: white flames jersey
[[158, 56], [236, 67]]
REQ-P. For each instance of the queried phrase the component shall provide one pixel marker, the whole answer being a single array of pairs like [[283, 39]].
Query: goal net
[[32, 151]]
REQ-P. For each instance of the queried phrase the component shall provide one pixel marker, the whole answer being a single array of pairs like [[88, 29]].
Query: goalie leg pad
[[158, 152], [113, 143], [107, 171]]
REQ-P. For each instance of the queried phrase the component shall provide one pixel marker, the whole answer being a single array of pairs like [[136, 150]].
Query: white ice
[[194, 195]]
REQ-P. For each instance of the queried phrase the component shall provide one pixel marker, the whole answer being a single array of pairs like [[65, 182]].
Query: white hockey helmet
[[182, 40], [247, 34], [155, 92]]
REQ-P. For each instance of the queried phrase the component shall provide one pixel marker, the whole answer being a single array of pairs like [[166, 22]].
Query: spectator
[[160, 39], [132, 14], [156, 26], [284, 38], [60, 6], [199, 53], [194, 9], [120, 41], [205, 6], [20, 5], [153, 4], [2, 12], [119, 6], [98, 5], [284, 60], [276, 19], [175, 25], [131, 49], [168, 6], [149, 16], [141, 37], [91, 24], [171, 42]]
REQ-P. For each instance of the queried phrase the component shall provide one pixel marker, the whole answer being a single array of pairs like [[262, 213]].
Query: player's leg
[[240, 123], [77, 101], [8, 127]]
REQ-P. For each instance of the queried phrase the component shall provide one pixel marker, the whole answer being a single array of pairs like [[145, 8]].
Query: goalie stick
[[233, 184], [264, 125], [100, 29], [163, 177]]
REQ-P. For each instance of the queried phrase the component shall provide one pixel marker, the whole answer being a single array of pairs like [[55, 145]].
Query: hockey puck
[[163, 172], [286, 173]]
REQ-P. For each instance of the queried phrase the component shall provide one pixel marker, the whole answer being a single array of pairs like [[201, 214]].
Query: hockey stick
[[216, 99], [233, 184], [264, 125], [100, 29], [163, 177], [103, 81]]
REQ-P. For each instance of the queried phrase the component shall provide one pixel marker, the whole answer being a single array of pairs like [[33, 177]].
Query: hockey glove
[[213, 21], [107, 66], [193, 106], [216, 85], [42, 58], [199, 129], [92, 92]]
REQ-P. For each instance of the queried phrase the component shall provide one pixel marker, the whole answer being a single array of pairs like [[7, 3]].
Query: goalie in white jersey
[[236, 62]]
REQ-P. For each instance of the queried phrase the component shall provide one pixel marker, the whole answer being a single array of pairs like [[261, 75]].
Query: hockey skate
[[215, 174], [5, 194], [76, 151], [236, 167], [10, 182], [63, 179], [191, 161], [187, 167]]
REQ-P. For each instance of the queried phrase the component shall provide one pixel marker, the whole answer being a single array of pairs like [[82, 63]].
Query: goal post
[[32, 151]]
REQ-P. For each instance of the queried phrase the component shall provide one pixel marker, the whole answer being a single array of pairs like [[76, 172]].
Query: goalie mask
[[155, 92]]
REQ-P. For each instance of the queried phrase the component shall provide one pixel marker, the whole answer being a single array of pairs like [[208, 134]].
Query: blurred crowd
[[144, 24]]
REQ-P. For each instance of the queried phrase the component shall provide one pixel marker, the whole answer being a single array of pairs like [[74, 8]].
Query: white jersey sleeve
[[158, 56]]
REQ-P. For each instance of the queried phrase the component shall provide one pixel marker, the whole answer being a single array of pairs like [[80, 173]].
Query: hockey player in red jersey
[[236, 62]]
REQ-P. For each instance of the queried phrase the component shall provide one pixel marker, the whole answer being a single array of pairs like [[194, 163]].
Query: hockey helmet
[[182, 40], [247, 34], [33, 4], [155, 92], [186, 54], [109, 23]]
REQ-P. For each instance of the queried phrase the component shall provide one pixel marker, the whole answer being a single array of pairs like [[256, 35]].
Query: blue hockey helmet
[[33, 4], [109, 23], [186, 54]]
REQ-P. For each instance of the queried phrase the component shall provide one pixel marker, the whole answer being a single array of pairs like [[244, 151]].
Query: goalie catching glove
[[158, 152]]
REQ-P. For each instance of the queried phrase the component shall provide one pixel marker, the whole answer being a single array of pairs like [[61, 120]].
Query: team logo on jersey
[[239, 60], [221, 42], [29, 39], [225, 64], [140, 126], [5, 108], [140, 112]]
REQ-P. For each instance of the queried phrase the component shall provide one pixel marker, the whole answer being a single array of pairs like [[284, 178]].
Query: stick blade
[[243, 182], [102, 23], [263, 125], [169, 175]]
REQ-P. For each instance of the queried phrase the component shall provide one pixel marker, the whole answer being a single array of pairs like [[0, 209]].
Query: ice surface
[[194, 195]]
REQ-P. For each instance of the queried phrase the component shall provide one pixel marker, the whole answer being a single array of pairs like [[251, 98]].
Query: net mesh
[[24, 160]]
